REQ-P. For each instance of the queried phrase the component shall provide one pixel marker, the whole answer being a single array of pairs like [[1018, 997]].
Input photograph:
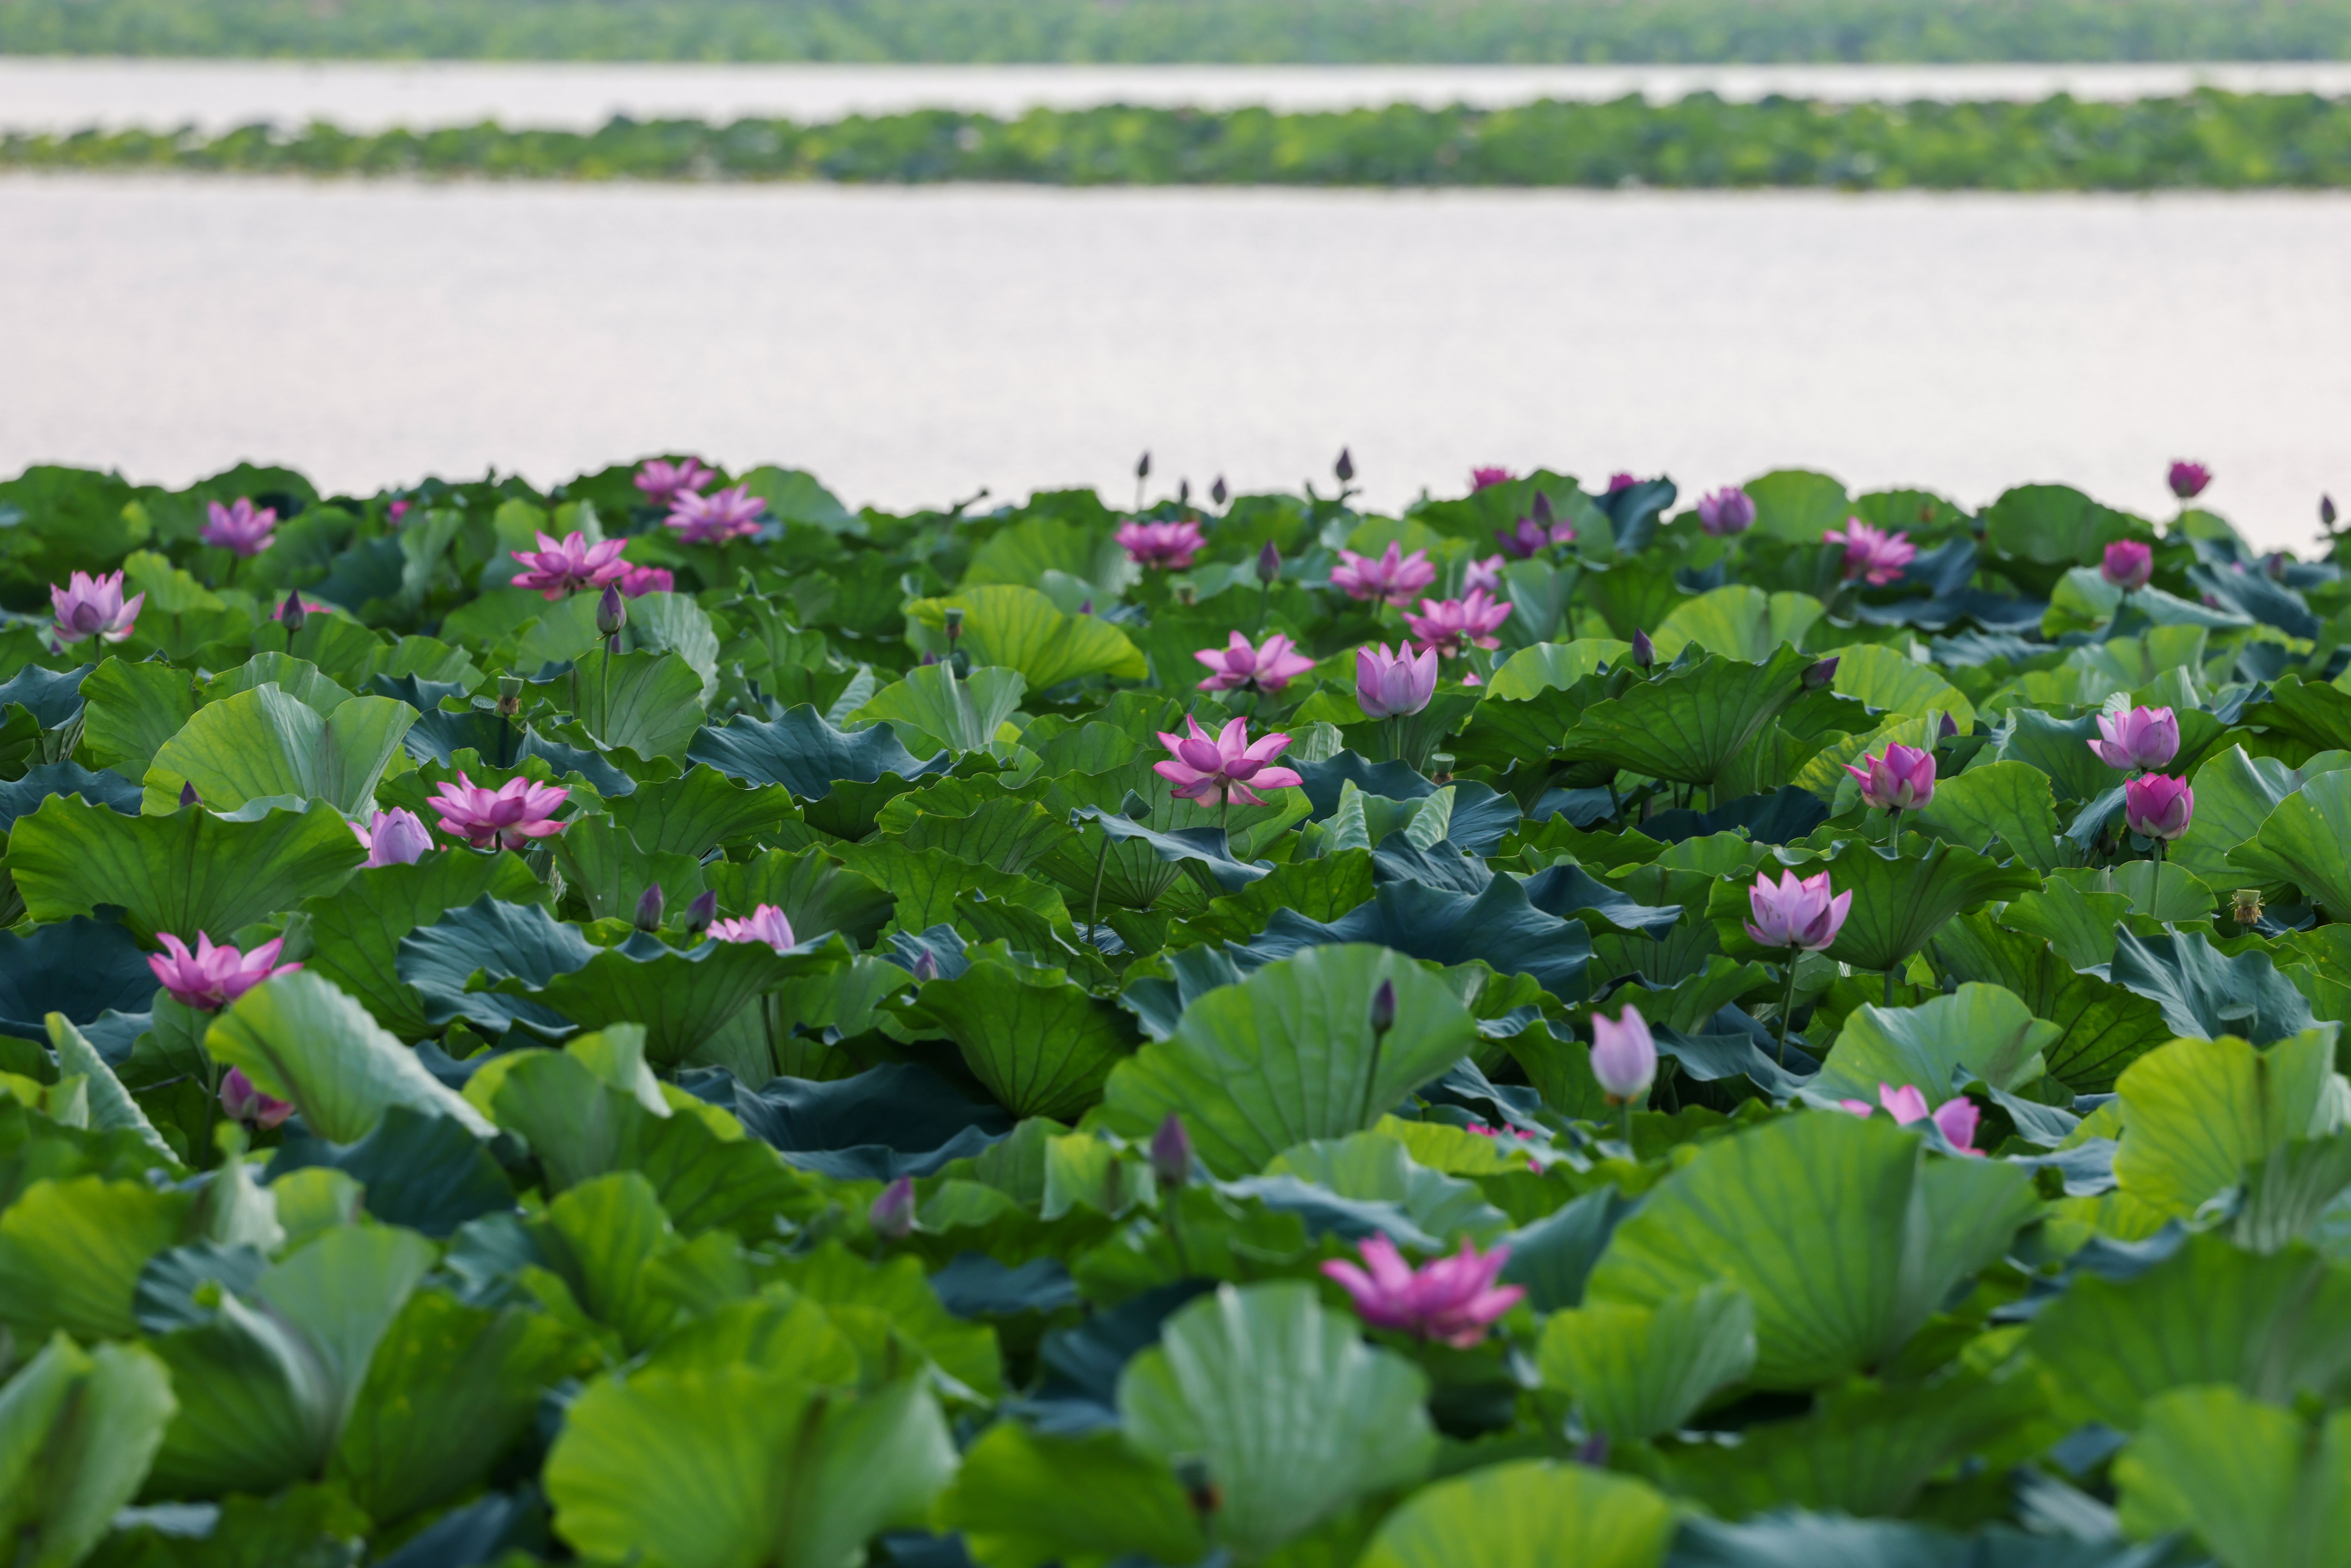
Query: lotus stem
[[1894, 830], [1628, 1128], [1093, 911], [1787, 1004]]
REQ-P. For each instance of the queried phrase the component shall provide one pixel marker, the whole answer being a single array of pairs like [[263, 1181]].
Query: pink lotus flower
[[512, 815], [1485, 574], [1226, 768], [396, 510], [212, 977], [309, 607], [1524, 538], [243, 1102], [397, 837], [1394, 578], [713, 520], [1871, 553], [1726, 511], [663, 482], [1167, 547], [639, 581], [766, 925], [1269, 668], [1620, 482], [1902, 779], [240, 528], [2144, 737], [94, 606], [1452, 626], [2157, 806], [1452, 1300], [1623, 1055], [1958, 1117], [1796, 914], [2128, 564], [557, 569], [1388, 685], [1487, 479], [2188, 480]]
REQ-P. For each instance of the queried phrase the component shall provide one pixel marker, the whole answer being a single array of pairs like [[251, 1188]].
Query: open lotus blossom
[[2157, 806], [2141, 738], [1453, 626], [1389, 686], [1165, 547], [663, 482], [1623, 1055], [397, 837], [1958, 1117], [1219, 771], [1902, 779], [1871, 554], [212, 977], [558, 566], [712, 519], [1524, 538], [1726, 511], [1794, 913], [1392, 577], [766, 925], [240, 1101], [1269, 666], [1485, 574], [1487, 479], [511, 815], [1620, 482], [1453, 1301], [2187, 479], [2128, 565], [639, 581], [240, 527], [94, 607]]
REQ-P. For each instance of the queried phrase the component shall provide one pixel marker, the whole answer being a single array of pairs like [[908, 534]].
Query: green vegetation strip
[[2209, 140]]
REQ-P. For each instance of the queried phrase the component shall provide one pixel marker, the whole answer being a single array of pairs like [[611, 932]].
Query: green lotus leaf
[[605, 864], [2061, 749], [650, 703], [674, 623], [816, 893], [932, 705], [192, 871], [1900, 902], [300, 1039], [1637, 1371], [794, 1338], [890, 1310], [1041, 1044], [1289, 1055], [1021, 629], [77, 1430], [1278, 1399], [266, 742], [742, 1468], [1980, 1030], [1822, 1196], [1023, 1499], [129, 710], [1549, 666], [1376, 1168], [1008, 835], [2078, 924], [2055, 524], [2264, 1488], [355, 932], [426, 1173], [111, 1107], [925, 883], [1739, 622], [2002, 807], [2291, 1191], [2203, 993], [513, 948], [1527, 1511], [2197, 1113], [1797, 506], [809, 756], [298, 678], [71, 1249], [600, 1237], [700, 811], [2303, 842], [2235, 794], [2210, 1314], [1499, 927], [2313, 712], [2104, 1026], [1688, 724], [682, 998], [1023, 553]]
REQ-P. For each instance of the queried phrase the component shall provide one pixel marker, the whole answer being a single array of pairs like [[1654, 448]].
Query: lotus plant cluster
[[1568, 1019]]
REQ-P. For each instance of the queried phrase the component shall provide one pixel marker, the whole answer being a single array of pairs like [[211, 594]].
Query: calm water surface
[[913, 345]]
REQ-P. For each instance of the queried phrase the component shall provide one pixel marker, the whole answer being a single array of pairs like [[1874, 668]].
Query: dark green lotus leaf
[[2104, 1027], [1783, 816], [448, 737], [1502, 731], [682, 998], [699, 812], [2005, 808], [500, 941], [1571, 891], [603, 862], [2315, 714], [1010, 835], [1324, 889], [1133, 875], [1159, 987], [22, 797], [897, 1119], [1900, 902], [1326, 780], [2061, 749], [426, 1172], [131, 709], [816, 893], [356, 931], [1499, 927], [808, 756], [1634, 594], [1688, 723], [192, 871], [79, 967], [926, 884], [52, 698], [1205, 848], [1042, 1045], [2205, 994]]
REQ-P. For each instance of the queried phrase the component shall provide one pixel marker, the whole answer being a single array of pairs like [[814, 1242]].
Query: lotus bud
[[926, 967], [2245, 905], [188, 795], [2326, 513], [1183, 492], [2188, 480], [611, 610], [1949, 728], [649, 909], [954, 622], [700, 914], [1217, 492], [243, 1102], [1623, 1055], [892, 1213], [1345, 467], [1645, 653], [1268, 563], [1171, 1152], [510, 696], [1542, 512], [2158, 806], [1820, 675], [1143, 466], [291, 612], [1384, 1007]]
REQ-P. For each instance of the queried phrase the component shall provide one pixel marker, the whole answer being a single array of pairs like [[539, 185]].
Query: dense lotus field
[[669, 1022]]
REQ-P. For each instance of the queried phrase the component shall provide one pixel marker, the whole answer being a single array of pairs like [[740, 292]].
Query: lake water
[[216, 95], [911, 346]]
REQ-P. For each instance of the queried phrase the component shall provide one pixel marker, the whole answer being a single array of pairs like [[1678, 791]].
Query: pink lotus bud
[[1384, 1007], [1269, 564], [2158, 806], [1726, 511], [892, 1213], [397, 837], [649, 909], [1796, 914], [240, 1101], [2128, 565], [1487, 479], [1645, 653], [2188, 480], [1623, 1056], [700, 914], [1902, 780], [1171, 1152]]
